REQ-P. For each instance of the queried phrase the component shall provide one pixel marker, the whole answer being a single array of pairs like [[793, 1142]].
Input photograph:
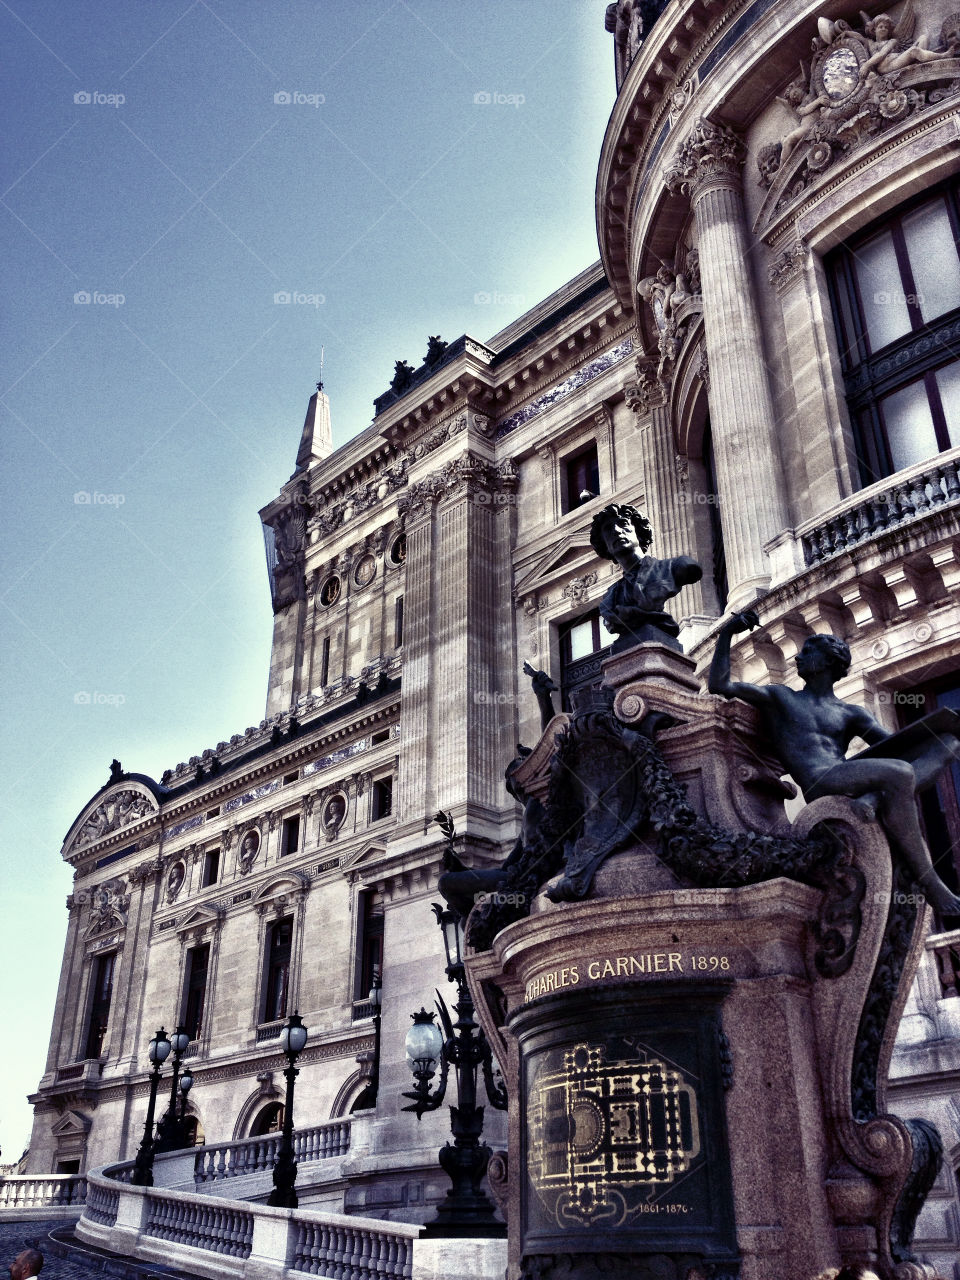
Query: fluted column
[[709, 169]]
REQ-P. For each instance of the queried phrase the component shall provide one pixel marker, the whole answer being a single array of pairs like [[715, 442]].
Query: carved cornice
[[711, 158]]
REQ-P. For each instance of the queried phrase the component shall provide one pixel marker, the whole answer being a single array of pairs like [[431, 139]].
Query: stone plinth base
[[459, 1259]]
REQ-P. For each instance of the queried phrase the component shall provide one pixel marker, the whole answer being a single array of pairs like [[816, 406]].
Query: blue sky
[[150, 168]]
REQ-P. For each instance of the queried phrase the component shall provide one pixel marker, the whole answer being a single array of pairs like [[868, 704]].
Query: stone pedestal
[[697, 1074]]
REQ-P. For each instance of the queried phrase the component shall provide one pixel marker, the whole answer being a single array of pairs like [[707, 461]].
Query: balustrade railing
[[102, 1205], [133, 1221], [210, 1225], [254, 1155], [40, 1191], [946, 951], [324, 1249], [884, 506]]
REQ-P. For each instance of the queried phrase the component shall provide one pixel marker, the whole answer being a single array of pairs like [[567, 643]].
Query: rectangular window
[[584, 643], [398, 623], [895, 291], [100, 997], [325, 662], [211, 868], [382, 801], [370, 959], [580, 478], [276, 984], [290, 835], [195, 994]]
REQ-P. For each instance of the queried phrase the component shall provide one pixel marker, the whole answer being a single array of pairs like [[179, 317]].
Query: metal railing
[[254, 1155]]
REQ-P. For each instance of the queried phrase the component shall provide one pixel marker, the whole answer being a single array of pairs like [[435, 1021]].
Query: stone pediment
[[362, 858], [282, 887], [71, 1122], [201, 916], [126, 804], [573, 553]]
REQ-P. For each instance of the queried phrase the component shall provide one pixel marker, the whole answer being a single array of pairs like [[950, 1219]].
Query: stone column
[[741, 407]]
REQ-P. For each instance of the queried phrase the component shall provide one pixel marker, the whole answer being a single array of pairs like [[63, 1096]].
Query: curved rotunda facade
[[767, 362]]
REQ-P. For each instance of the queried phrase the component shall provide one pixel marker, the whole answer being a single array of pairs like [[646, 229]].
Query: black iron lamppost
[[467, 1209], [168, 1136], [292, 1039], [186, 1084], [367, 1098], [157, 1052]]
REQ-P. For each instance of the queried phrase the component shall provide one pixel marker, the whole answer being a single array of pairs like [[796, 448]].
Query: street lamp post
[[168, 1137], [467, 1209], [367, 1098], [186, 1084], [157, 1052], [293, 1037]]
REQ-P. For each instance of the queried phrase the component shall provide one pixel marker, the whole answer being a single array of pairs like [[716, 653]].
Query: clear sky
[[429, 153]]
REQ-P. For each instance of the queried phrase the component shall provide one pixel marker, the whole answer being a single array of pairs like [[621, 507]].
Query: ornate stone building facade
[[766, 361]]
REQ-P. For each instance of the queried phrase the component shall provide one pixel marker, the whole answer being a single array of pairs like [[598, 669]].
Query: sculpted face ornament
[[333, 815], [249, 848], [175, 878]]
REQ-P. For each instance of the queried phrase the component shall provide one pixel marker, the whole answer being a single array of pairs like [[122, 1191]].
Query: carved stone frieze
[[117, 810], [108, 902], [860, 83]]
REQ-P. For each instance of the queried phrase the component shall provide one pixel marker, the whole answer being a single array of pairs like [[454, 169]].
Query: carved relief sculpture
[[121, 809]]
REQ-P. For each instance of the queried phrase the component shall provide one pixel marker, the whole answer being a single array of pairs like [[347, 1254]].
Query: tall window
[[398, 623], [276, 986], [211, 868], [370, 943], [290, 835], [580, 478], [896, 300], [195, 993], [381, 803], [584, 643], [100, 998], [325, 662]]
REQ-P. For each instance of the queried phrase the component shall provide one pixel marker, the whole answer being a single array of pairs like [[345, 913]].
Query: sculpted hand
[[744, 621]]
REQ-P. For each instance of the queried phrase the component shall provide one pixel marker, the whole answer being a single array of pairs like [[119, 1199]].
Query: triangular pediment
[[574, 552], [71, 1122], [367, 855], [201, 915]]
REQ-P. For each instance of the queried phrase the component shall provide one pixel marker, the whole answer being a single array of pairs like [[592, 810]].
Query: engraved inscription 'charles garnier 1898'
[[604, 1134]]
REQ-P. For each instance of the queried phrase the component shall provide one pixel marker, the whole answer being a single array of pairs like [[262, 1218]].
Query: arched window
[[267, 1120]]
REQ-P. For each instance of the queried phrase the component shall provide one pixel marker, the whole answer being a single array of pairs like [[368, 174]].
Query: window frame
[[275, 961], [870, 376]]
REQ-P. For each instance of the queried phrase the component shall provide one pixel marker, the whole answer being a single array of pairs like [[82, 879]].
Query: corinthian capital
[[712, 156]]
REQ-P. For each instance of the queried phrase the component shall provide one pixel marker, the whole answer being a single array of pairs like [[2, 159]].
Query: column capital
[[711, 157]]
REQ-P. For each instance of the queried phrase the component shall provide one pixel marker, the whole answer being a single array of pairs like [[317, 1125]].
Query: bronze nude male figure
[[811, 729]]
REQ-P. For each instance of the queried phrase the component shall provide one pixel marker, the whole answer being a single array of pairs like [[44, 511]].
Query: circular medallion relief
[[330, 591], [175, 878], [334, 812], [841, 74], [249, 848], [365, 571]]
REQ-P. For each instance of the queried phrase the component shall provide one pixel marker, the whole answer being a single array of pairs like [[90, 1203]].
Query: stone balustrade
[[25, 1195], [255, 1155], [219, 1237], [884, 505], [946, 951]]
